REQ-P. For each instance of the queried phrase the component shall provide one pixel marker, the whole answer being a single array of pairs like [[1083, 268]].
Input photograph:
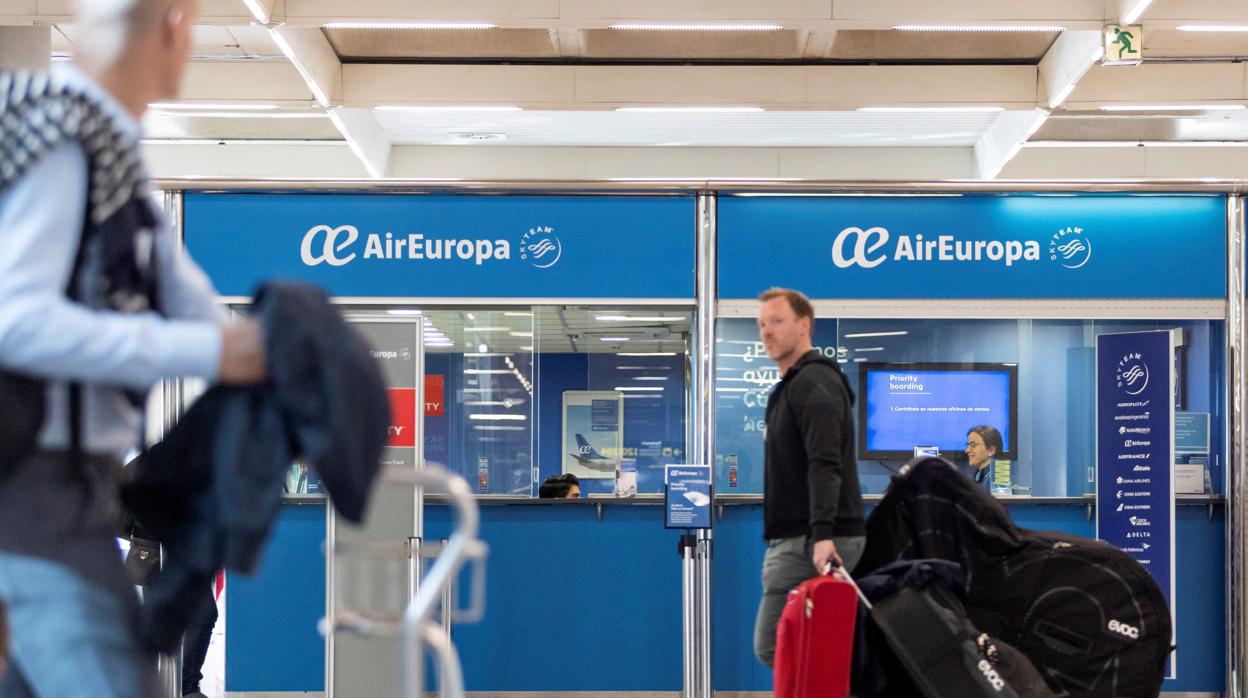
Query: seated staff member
[[566, 486], [983, 443]]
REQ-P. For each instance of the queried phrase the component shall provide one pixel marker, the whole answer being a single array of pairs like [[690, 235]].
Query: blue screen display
[[922, 407]]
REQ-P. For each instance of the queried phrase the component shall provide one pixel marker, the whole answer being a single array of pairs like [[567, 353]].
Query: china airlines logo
[[865, 244], [1132, 374], [329, 247]]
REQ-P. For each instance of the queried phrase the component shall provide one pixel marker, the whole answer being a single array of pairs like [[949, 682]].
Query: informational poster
[[1135, 451], [593, 433], [689, 496]]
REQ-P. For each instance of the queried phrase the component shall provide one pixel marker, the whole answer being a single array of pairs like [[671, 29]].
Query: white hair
[[105, 27]]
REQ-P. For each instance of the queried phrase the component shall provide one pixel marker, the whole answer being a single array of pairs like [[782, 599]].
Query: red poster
[[435, 395], [402, 418]]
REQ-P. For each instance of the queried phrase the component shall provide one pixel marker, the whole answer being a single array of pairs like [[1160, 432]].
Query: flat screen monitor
[[904, 405]]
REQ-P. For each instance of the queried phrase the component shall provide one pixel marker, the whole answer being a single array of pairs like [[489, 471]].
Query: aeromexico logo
[[339, 246], [870, 247]]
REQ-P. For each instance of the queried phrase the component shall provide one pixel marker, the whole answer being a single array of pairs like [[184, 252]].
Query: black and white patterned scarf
[[39, 112]]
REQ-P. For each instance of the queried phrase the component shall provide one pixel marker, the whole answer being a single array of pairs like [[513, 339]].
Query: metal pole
[[448, 612], [688, 604], [1237, 515], [331, 591], [704, 429]]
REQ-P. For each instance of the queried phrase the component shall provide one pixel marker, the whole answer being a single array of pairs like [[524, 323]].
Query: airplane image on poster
[[587, 457]]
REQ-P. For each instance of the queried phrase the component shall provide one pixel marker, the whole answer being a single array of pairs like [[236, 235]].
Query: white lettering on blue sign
[[332, 247], [856, 247]]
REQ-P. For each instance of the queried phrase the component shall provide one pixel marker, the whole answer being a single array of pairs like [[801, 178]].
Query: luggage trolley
[[417, 626]]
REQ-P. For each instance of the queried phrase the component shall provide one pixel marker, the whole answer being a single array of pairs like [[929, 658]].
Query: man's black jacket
[[210, 491], [810, 484]]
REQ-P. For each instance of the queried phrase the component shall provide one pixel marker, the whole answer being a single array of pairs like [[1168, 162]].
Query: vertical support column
[[173, 402], [704, 429], [1237, 515]]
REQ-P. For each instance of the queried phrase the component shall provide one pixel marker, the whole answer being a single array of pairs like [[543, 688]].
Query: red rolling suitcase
[[815, 640]]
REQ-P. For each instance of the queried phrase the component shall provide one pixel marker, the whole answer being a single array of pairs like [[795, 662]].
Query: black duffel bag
[[22, 411]]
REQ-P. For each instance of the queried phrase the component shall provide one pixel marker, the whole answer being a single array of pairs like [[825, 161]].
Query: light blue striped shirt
[[43, 333]]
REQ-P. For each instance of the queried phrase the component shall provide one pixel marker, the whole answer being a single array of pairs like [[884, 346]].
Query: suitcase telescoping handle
[[840, 572]]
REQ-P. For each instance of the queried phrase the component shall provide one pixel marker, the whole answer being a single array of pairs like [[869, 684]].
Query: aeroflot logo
[[866, 248], [325, 244]]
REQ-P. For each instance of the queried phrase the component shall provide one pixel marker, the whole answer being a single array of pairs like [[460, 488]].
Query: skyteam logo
[[541, 247], [1070, 247], [856, 247], [324, 244], [1132, 374]]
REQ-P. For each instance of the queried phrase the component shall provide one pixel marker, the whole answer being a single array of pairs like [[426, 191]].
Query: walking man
[[97, 302], [812, 506]]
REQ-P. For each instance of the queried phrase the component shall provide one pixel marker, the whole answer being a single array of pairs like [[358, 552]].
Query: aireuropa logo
[[1070, 247], [324, 244], [858, 247], [1132, 374], [541, 247]]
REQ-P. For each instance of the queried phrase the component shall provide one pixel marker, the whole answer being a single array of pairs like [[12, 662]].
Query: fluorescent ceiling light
[[678, 110], [486, 371], [899, 333], [613, 339], [485, 353], [209, 106], [486, 330], [638, 318], [1133, 15], [406, 311], [925, 110], [732, 390], [523, 348], [980, 28], [497, 428], [499, 417], [699, 27], [638, 388], [1213, 27], [641, 397], [1136, 144], [646, 353], [1170, 107], [257, 10], [410, 25], [863, 350], [858, 361], [518, 314], [650, 378], [244, 115], [448, 108], [520, 334]]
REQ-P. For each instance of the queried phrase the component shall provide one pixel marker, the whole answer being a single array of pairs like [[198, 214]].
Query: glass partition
[[516, 395], [1054, 361]]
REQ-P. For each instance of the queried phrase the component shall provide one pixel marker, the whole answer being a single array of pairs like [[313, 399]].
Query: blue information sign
[[1134, 449], [1023, 246], [373, 245], [688, 498]]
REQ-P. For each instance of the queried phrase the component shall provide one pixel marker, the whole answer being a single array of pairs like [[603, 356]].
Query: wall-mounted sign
[[974, 246], [366, 245], [1123, 44], [1135, 450]]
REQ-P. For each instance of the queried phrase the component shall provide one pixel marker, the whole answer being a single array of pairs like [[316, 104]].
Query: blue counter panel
[[574, 604], [271, 641]]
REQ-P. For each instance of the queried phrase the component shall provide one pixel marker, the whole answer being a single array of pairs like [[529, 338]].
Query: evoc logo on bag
[[1124, 630], [998, 684]]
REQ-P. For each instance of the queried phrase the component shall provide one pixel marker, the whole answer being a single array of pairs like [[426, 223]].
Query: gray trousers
[[785, 565]]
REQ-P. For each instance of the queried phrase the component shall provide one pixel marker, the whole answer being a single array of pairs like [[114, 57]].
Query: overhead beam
[[607, 87], [1065, 64], [365, 138], [316, 61], [1003, 140], [1162, 83]]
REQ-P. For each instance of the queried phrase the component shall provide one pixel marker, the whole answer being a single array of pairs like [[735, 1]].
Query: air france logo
[[856, 247], [1070, 248], [541, 247], [1132, 374], [324, 244]]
